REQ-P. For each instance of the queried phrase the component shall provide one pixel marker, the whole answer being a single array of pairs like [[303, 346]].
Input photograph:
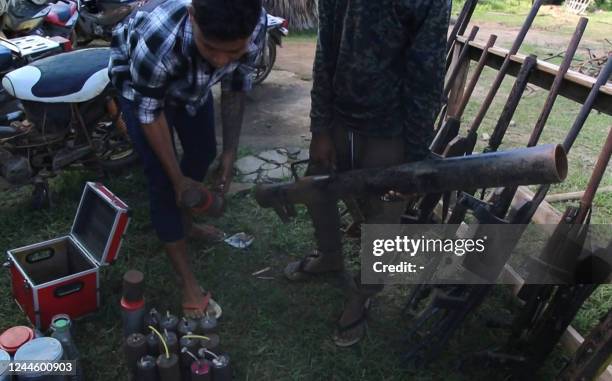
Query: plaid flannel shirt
[[154, 60]]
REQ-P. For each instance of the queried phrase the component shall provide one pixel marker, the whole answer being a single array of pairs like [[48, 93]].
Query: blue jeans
[[197, 136]]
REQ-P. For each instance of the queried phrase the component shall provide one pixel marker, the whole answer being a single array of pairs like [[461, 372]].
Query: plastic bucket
[[44, 349], [4, 365], [13, 338]]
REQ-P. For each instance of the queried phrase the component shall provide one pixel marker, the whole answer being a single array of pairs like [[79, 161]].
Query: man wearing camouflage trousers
[[378, 78]]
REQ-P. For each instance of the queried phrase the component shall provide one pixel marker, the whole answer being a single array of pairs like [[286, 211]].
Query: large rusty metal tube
[[544, 164]]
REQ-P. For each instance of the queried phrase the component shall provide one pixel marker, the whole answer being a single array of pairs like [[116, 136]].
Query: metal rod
[[595, 180], [476, 76], [462, 57], [556, 86], [522, 79], [505, 65], [602, 79], [450, 129], [459, 28]]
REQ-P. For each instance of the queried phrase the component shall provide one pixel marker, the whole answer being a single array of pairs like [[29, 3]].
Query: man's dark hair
[[227, 20]]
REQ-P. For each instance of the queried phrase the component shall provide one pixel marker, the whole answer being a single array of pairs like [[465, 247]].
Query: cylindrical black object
[[153, 344], [192, 345], [168, 322], [221, 370], [212, 344], [200, 371], [186, 326], [206, 201], [135, 347], [152, 318], [132, 316], [171, 341], [146, 369], [208, 324], [133, 286], [168, 367], [543, 164]]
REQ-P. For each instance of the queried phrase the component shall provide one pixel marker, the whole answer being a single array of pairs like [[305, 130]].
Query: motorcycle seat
[[72, 77]]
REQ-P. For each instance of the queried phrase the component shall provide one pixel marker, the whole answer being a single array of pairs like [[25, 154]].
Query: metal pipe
[[522, 79], [524, 166]]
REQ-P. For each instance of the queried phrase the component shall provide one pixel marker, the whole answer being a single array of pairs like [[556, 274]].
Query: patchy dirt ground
[[277, 113]]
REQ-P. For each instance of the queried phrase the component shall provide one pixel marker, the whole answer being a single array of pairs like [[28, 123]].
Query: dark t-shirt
[[379, 66]]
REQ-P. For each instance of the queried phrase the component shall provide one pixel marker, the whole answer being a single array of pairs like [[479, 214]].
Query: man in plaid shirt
[[164, 60]]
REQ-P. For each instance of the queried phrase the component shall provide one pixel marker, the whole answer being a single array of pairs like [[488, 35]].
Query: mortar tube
[[221, 370], [146, 369], [171, 341], [212, 343], [152, 318], [188, 348], [168, 367], [134, 347], [153, 344], [208, 324], [186, 326], [168, 322], [200, 371]]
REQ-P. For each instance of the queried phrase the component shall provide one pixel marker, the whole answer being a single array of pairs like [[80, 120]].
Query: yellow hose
[[162, 340], [197, 337]]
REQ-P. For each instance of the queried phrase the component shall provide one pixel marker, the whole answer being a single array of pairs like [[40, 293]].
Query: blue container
[[4, 365], [46, 349]]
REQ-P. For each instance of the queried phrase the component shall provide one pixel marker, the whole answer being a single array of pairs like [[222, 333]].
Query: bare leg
[[192, 293]]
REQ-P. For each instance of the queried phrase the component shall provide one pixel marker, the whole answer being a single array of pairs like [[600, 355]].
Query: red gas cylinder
[[13, 338]]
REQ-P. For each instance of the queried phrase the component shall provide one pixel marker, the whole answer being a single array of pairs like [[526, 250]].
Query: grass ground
[[272, 329], [279, 331]]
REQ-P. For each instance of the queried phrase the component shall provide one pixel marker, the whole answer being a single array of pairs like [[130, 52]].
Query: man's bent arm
[[232, 115], [158, 136]]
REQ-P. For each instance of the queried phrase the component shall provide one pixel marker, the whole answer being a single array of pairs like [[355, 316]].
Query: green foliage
[[604, 5]]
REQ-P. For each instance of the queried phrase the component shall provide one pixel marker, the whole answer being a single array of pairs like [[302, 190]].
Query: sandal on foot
[[207, 306], [296, 271], [351, 334]]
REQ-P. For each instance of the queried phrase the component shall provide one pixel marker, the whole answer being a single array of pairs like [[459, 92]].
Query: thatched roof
[[301, 14]]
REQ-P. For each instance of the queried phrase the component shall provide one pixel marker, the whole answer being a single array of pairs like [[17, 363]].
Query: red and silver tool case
[[62, 275]]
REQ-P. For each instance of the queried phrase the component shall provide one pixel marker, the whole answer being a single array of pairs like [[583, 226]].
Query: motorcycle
[[277, 29], [99, 17], [72, 119], [40, 17]]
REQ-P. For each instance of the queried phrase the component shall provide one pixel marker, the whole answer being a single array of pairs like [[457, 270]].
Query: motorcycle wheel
[[113, 147], [262, 72]]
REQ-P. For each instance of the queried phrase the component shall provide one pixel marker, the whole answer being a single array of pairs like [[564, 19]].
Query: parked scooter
[[72, 119], [39, 17], [277, 29], [61, 21], [98, 17]]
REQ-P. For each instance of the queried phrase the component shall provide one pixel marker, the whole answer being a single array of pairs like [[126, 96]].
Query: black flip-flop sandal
[[341, 329], [296, 271]]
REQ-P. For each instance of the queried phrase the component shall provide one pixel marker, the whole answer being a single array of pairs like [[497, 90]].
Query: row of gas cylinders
[[176, 349]]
